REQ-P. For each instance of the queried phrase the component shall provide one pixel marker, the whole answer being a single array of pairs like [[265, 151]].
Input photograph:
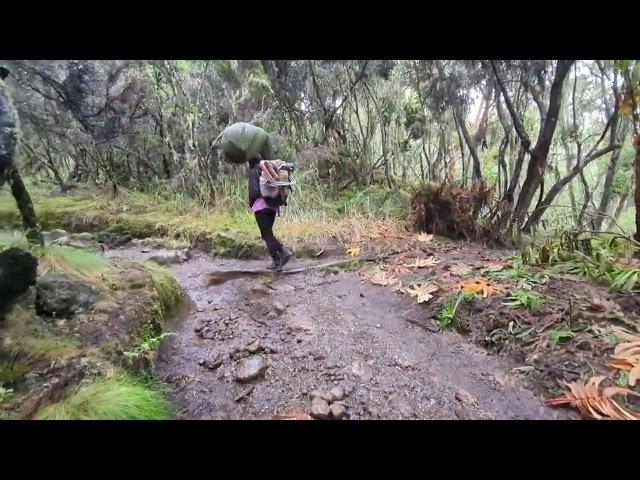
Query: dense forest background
[[552, 140]]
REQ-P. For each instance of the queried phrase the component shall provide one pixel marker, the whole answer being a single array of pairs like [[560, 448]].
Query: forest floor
[[316, 331], [307, 333], [326, 340]]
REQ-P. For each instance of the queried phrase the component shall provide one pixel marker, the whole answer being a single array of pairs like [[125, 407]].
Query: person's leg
[[265, 219]]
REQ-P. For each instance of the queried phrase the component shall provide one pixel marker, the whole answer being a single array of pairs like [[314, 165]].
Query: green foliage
[[623, 379], [147, 346], [14, 370], [560, 335], [525, 278], [599, 260], [5, 393], [447, 316], [228, 71], [116, 398], [522, 298]]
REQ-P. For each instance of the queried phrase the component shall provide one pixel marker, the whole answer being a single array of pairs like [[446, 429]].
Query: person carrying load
[[269, 181]]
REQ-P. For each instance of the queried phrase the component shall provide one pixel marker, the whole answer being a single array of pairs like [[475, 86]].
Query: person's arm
[[267, 168], [254, 185]]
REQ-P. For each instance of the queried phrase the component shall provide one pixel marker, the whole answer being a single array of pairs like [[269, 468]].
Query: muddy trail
[[274, 346]]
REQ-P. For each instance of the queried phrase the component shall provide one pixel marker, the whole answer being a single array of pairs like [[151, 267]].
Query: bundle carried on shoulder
[[243, 141], [282, 185]]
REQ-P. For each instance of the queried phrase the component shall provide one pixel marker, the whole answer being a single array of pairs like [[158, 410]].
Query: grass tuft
[[116, 398]]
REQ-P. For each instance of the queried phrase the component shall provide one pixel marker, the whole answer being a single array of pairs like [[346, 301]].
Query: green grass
[[27, 345], [47, 345], [522, 298], [69, 260], [313, 211], [448, 315], [166, 286], [52, 209], [116, 398], [13, 371], [25, 335], [13, 239], [60, 259]]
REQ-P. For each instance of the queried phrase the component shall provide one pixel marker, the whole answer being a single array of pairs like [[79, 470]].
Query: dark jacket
[[254, 189]]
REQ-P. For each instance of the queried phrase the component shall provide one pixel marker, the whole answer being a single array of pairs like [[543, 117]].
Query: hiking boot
[[285, 256], [276, 264]]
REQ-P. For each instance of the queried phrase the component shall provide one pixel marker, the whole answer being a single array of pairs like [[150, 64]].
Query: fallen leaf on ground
[[480, 286], [425, 262], [397, 288], [495, 265], [397, 269], [296, 415], [460, 269], [595, 403], [379, 277], [422, 292], [602, 305], [424, 237], [623, 334], [626, 356], [353, 251]]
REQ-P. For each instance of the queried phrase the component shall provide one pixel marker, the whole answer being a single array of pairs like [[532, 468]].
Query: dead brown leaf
[[422, 292], [353, 251], [602, 305], [481, 286], [296, 414], [425, 262], [460, 269], [424, 237], [397, 288], [625, 334], [377, 276], [397, 269], [496, 265], [595, 403], [626, 356], [634, 375]]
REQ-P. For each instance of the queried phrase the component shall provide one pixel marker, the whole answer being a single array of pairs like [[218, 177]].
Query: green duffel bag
[[243, 141]]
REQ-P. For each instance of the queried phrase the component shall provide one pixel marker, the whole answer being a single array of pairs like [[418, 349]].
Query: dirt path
[[320, 330]]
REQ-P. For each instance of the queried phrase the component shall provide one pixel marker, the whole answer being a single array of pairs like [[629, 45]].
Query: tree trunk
[[539, 154], [572, 194], [555, 189], [502, 166], [613, 162], [621, 204], [25, 205], [477, 171], [636, 196], [605, 199], [464, 164]]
